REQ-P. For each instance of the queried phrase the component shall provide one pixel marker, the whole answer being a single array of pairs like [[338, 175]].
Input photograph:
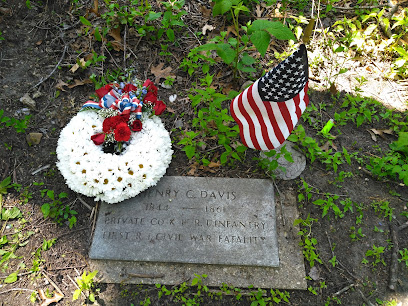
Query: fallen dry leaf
[[192, 170], [79, 83], [60, 85], [205, 11], [161, 73], [214, 165], [117, 43], [327, 145], [170, 110], [95, 7], [374, 132], [115, 34], [47, 301], [76, 66], [258, 11], [206, 28], [231, 29]]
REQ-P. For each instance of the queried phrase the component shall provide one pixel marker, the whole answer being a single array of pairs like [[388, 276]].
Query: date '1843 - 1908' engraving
[[192, 220]]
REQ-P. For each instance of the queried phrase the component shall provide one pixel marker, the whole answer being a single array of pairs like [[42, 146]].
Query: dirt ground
[[39, 39]]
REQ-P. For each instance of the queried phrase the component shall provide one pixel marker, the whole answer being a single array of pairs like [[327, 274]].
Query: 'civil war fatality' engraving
[[192, 220]]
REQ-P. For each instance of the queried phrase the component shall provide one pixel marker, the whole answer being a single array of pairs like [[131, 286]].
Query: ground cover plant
[[352, 197]]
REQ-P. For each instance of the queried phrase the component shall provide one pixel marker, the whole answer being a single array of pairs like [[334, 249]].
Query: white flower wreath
[[109, 177]]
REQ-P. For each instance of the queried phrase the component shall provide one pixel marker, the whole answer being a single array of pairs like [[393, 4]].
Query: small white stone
[[172, 98]]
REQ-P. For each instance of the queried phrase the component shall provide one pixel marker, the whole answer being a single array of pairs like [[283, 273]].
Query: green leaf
[[401, 144], [247, 60], [85, 21], [152, 16], [226, 53], [221, 7], [194, 282], [11, 278], [190, 151], [281, 32], [76, 294], [259, 25], [261, 40], [45, 208], [170, 34], [91, 297], [97, 34]]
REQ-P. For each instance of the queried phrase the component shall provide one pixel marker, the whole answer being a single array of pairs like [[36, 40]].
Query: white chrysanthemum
[[109, 177]]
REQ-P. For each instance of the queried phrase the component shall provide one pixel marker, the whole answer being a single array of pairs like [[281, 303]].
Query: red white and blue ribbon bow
[[125, 103], [268, 110]]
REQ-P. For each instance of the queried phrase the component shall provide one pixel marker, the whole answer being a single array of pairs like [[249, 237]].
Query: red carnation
[[137, 125], [98, 139], [150, 97], [111, 123], [103, 90], [150, 87], [122, 132], [159, 107], [129, 87]]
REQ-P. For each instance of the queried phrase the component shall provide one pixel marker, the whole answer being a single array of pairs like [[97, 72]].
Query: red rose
[[103, 90], [122, 132], [137, 125], [98, 139], [150, 97], [110, 123], [129, 87], [150, 87], [159, 107]]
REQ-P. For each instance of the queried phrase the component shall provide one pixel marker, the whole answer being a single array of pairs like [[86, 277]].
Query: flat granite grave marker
[[222, 227]]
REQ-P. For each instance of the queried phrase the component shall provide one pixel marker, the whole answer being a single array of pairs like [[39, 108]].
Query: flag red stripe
[[286, 115], [276, 129], [238, 120], [297, 102], [264, 129]]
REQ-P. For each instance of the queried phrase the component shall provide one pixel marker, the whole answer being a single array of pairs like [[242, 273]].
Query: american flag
[[268, 110]]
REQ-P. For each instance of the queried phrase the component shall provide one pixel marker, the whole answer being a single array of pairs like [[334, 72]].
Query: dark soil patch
[[35, 40]]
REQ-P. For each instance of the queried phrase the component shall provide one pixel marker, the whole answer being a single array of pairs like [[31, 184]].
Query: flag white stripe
[[265, 118], [253, 116], [291, 105], [242, 120], [280, 120]]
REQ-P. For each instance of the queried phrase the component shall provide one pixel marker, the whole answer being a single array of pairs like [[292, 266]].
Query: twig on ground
[[365, 299], [67, 268], [344, 290], [343, 266], [16, 289], [18, 275], [112, 57], [76, 286], [84, 203], [40, 169], [72, 232], [52, 283], [94, 219], [52, 72], [394, 257]]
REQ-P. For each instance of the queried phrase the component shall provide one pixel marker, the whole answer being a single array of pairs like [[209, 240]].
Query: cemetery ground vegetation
[[352, 196]]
